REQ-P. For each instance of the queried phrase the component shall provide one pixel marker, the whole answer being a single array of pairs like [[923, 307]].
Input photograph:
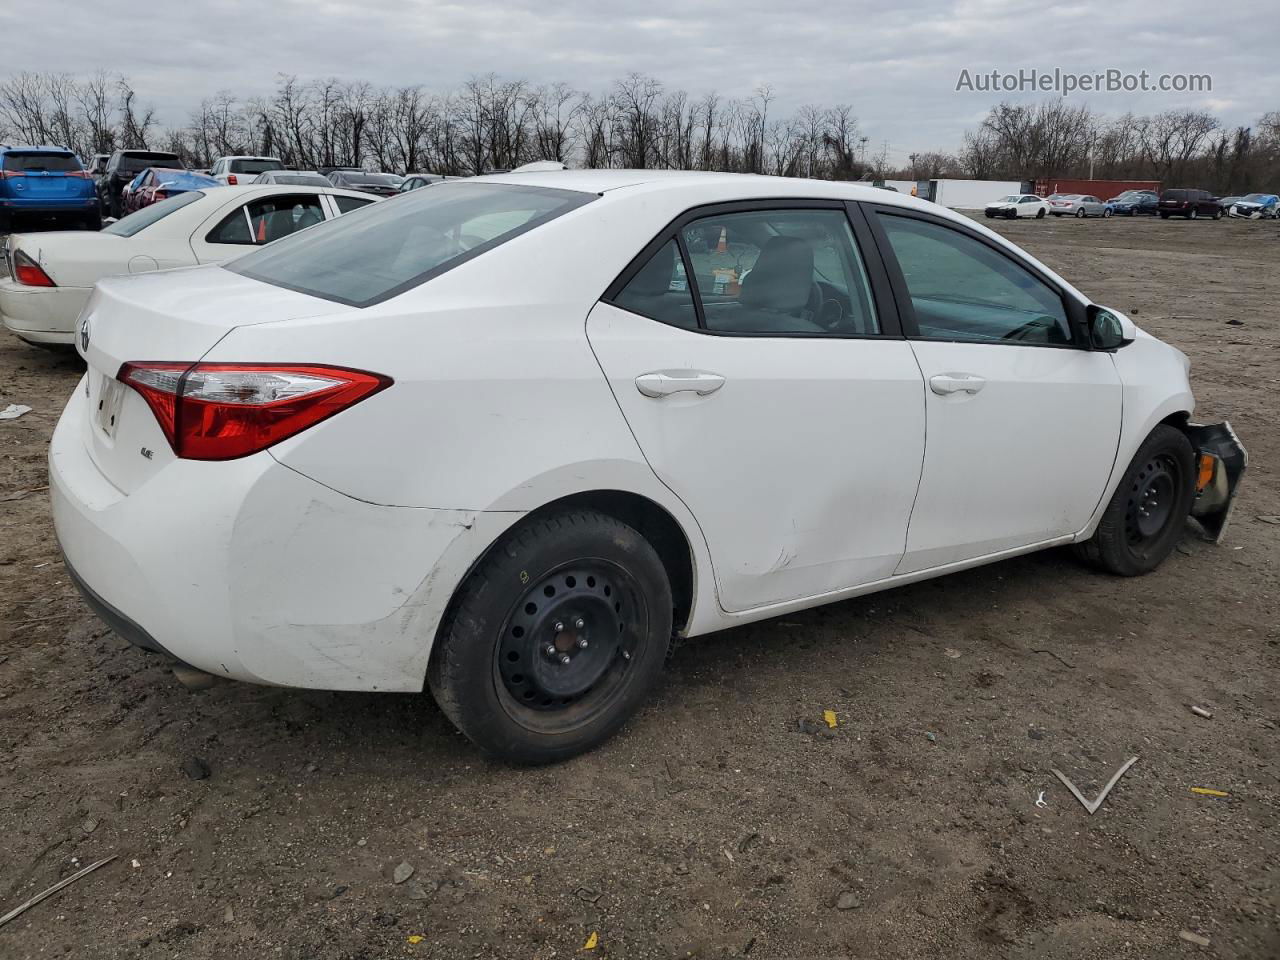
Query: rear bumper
[[41, 314], [248, 570], [48, 205]]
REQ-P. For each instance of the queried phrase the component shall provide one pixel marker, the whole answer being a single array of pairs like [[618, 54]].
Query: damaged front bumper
[[1220, 464]]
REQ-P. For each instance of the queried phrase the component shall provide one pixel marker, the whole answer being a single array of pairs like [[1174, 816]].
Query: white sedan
[[508, 436], [46, 278], [1018, 205]]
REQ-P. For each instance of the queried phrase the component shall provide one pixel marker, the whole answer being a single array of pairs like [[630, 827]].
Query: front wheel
[[1106, 212], [555, 639], [1163, 215], [1144, 519]]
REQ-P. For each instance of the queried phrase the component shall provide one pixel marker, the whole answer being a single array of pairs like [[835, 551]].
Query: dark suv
[[1189, 204], [123, 166]]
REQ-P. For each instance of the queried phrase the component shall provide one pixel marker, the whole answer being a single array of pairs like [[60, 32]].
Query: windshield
[[371, 179], [255, 165], [384, 249], [1014, 199], [1258, 197], [31, 161], [135, 222]]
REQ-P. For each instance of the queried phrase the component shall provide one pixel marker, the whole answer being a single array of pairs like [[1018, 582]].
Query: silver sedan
[[1077, 205]]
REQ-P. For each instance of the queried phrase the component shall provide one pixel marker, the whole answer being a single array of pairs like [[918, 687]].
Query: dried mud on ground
[[713, 826]]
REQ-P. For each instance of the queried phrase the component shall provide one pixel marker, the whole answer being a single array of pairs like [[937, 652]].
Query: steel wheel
[[1151, 499], [567, 644]]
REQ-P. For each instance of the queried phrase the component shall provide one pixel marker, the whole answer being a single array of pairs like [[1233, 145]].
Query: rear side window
[[265, 221], [137, 162], [135, 222], [31, 161], [347, 204], [387, 248], [660, 291], [780, 272]]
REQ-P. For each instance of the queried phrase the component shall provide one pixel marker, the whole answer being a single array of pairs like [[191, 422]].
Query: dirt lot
[[713, 826]]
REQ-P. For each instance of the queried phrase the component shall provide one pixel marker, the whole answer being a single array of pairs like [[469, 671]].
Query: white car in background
[[1018, 205], [47, 277], [241, 171], [505, 437]]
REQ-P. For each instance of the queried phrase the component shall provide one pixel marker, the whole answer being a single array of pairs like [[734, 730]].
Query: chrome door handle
[[947, 383], [663, 383]]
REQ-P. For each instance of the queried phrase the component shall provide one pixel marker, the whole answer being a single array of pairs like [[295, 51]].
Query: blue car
[[1133, 202], [1254, 206], [42, 181]]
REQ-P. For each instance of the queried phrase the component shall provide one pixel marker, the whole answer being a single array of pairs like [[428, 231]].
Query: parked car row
[[1177, 202]]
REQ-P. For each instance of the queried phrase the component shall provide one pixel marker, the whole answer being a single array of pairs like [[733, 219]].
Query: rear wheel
[[1163, 215], [1106, 212], [1040, 214], [1217, 214], [1081, 213], [555, 639], [1146, 514]]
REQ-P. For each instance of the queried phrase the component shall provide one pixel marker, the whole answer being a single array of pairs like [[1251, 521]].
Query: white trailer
[[970, 194]]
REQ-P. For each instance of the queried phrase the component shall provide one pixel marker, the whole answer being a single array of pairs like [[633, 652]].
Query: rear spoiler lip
[[1213, 505]]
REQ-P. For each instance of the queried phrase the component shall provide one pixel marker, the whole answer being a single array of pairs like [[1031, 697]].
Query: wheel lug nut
[[549, 649], [564, 660], [579, 623], [626, 654], [582, 643], [559, 626]]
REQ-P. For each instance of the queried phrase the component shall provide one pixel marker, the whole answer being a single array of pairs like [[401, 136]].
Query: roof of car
[[27, 148]]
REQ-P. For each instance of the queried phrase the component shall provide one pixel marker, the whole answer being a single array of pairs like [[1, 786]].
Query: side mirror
[[1109, 329]]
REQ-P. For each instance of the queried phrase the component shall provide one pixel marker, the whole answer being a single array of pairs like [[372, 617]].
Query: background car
[[99, 165], [159, 183], [51, 275], [123, 166], [294, 178], [416, 181], [241, 171], [1018, 205], [1192, 204], [306, 395], [45, 181], [379, 184], [1076, 205], [1133, 202], [1255, 206]]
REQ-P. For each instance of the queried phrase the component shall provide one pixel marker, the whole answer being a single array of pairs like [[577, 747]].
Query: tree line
[[489, 123]]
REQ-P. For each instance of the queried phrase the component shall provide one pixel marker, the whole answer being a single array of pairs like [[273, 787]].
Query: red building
[[1102, 189]]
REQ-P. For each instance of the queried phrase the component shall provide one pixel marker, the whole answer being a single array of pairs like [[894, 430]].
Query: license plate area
[[109, 401]]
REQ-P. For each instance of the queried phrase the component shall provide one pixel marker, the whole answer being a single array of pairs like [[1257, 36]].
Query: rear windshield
[[137, 162], [135, 222], [374, 253], [1176, 195], [371, 179], [32, 161], [255, 166], [301, 179]]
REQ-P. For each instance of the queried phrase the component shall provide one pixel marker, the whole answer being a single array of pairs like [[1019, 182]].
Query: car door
[[1023, 419], [755, 352], [231, 231]]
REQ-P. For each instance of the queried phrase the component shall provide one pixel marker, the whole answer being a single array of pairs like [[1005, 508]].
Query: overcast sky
[[897, 64]]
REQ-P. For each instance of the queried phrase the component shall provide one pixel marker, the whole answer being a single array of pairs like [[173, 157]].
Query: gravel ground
[[716, 824]]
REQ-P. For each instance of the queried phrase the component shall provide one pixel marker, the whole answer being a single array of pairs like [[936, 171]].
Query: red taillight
[[82, 174], [221, 411], [26, 270], [231, 179]]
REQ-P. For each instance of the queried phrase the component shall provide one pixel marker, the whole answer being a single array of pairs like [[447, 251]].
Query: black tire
[[1193, 214], [1040, 214], [117, 207], [1163, 215], [1081, 213], [1145, 517], [1217, 214], [6, 225], [496, 668]]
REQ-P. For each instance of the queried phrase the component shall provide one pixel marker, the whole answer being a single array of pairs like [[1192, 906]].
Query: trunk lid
[[48, 185], [176, 316]]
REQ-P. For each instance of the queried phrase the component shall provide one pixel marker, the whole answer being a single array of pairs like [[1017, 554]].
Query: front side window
[[136, 222], [267, 220], [780, 272], [962, 289], [390, 247]]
